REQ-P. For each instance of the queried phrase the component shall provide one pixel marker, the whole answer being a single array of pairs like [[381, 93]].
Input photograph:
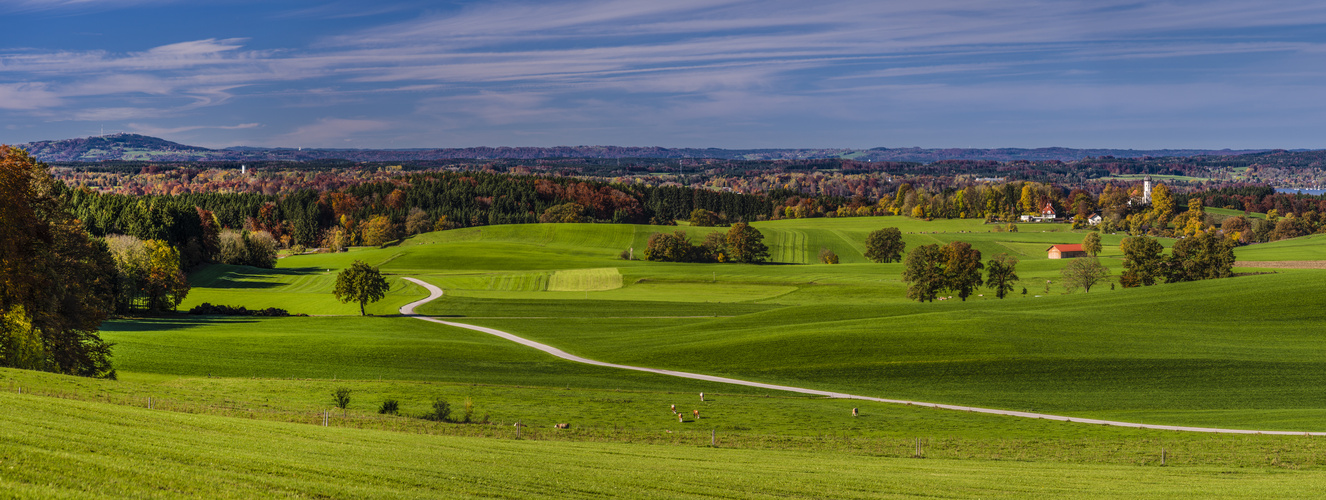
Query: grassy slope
[[54, 448], [1138, 354], [1306, 248]]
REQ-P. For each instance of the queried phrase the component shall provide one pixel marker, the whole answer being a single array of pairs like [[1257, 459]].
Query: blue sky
[[681, 73]]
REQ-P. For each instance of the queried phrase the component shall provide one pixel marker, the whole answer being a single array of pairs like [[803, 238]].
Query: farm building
[[1066, 251], [1047, 215]]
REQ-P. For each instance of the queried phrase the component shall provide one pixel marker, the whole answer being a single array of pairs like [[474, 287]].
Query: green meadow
[[1244, 352], [123, 451]]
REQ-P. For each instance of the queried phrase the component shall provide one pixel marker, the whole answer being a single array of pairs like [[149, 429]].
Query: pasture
[[57, 448], [1242, 352]]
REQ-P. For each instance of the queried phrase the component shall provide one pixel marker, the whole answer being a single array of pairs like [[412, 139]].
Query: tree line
[[57, 283]]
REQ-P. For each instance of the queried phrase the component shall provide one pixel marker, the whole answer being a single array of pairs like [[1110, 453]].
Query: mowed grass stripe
[[585, 280]]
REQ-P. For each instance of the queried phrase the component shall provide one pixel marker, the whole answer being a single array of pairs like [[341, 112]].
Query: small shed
[[1095, 219], [1066, 251]]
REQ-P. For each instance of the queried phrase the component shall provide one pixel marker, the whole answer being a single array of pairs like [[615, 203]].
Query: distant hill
[[129, 147], [115, 147]]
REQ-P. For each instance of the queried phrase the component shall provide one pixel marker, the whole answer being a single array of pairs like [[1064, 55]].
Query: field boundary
[[435, 293]]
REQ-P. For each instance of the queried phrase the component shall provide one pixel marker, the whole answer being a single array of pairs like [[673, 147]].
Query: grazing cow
[[681, 418], [697, 414], [674, 409], [563, 426], [853, 412], [702, 396]]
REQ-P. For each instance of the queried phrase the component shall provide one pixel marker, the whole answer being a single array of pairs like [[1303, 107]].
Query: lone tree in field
[[745, 244], [1091, 243], [1001, 273], [360, 283], [962, 268], [1084, 272], [885, 245]]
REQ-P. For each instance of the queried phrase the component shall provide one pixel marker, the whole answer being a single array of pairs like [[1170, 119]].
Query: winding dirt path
[[435, 293]]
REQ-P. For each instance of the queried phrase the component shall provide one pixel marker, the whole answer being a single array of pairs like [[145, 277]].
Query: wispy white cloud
[[647, 64], [161, 131], [27, 96]]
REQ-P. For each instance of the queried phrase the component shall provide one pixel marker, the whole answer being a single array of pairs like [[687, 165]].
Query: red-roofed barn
[[1066, 251]]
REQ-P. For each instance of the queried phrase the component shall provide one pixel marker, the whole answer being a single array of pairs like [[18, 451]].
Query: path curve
[[435, 293]]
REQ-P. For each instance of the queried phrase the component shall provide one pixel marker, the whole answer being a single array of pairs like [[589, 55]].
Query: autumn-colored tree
[[1236, 228], [1028, 200], [418, 221], [377, 230], [396, 200], [828, 256], [1091, 243], [745, 244], [925, 273], [1001, 273], [1162, 204], [360, 283], [1084, 273], [166, 286], [962, 268], [715, 247], [885, 245], [336, 239], [443, 224], [564, 213], [674, 247], [703, 218]]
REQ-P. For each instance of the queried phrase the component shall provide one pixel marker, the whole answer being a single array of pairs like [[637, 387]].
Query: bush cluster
[[206, 309]]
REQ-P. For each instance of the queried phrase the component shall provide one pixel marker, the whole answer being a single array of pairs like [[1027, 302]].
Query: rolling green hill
[[236, 396], [1183, 354]]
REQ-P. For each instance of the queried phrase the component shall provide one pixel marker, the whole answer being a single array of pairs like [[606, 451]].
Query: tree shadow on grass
[[167, 324], [256, 278]]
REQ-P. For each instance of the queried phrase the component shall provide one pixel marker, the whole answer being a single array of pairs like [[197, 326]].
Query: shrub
[[389, 407], [342, 396], [469, 410], [564, 213], [628, 254], [441, 411], [206, 309], [703, 218], [828, 257]]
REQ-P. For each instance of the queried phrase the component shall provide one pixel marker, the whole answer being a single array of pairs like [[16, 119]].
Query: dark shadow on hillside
[[251, 277], [166, 324]]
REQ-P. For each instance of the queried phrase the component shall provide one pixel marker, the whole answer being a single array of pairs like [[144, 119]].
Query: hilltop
[[128, 147]]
